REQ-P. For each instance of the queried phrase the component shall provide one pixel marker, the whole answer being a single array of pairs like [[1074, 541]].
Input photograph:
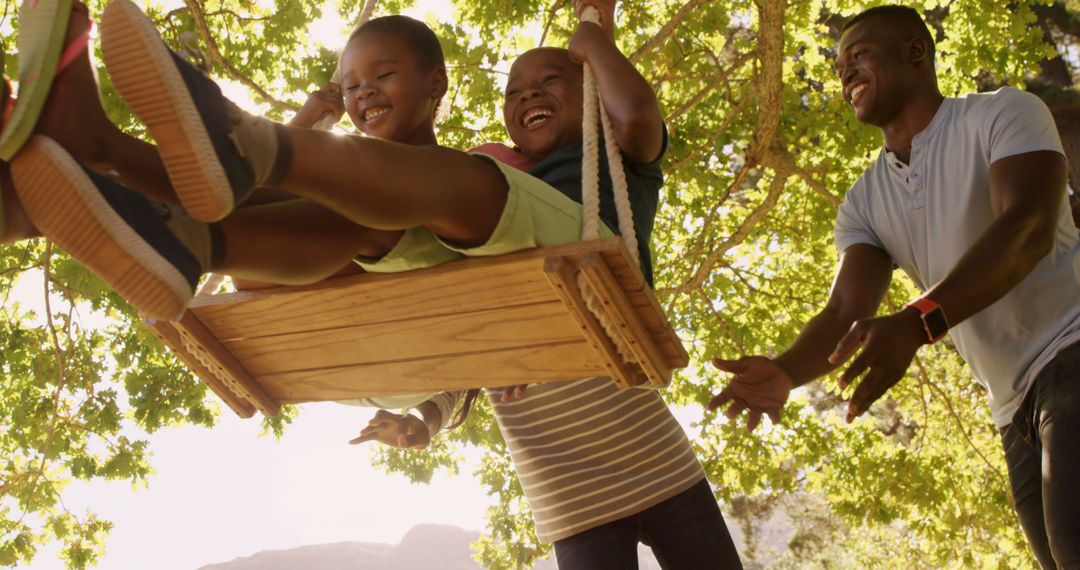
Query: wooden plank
[[480, 331], [168, 334], [563, 278], [223, 364], [497, 321], [644, 300], [548, 363], [625, 320], [461, 285], [362, 299]]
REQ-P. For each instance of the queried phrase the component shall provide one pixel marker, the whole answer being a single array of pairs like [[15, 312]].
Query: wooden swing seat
[[477, 322]]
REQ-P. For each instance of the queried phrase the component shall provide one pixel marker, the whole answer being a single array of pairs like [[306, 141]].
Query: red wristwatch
[[933, 318]]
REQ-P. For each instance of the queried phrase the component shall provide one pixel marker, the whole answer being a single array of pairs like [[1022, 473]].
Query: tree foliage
[[762, 149]]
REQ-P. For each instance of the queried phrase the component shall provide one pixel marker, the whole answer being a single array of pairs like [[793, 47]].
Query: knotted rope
[[594, 117]]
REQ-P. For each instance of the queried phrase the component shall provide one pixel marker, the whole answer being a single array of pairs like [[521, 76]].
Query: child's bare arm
[[627, 96], [398, 430], [326, 102]]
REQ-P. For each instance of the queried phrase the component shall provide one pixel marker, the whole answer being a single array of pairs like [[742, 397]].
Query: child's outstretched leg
[[216, 153], [293, 243], [74, 117], [16, 224], [149, 252], [153, 253]]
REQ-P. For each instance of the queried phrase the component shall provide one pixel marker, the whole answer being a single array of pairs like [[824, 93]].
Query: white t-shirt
[[927, 214]]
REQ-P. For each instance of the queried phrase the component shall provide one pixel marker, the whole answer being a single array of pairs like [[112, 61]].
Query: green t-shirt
[[562, 170]]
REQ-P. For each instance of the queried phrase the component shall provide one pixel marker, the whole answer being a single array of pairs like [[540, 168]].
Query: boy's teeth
[[375, 113], [857, 90], [536, 116]]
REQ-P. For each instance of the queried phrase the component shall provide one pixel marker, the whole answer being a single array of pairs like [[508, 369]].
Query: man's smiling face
[[873, 74], [542, 108]]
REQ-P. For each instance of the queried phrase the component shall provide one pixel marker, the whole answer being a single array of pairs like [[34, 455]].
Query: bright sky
[[230, 492]]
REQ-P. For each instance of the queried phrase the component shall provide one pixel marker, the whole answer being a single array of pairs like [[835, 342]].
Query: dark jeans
[[1042, 450], [686, 531]]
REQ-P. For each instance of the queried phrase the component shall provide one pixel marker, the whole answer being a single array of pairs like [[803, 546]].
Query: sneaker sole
[[66, 206], [146, 77]]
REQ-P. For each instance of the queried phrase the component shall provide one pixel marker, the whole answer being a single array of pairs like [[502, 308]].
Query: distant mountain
[[424, 547]]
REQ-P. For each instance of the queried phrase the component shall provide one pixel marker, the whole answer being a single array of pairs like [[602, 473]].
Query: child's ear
[[439, 83]]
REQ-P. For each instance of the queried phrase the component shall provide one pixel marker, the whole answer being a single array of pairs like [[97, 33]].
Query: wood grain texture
[[403, 340], [527, 365], [563, 277], [626, 320], [476, 322]]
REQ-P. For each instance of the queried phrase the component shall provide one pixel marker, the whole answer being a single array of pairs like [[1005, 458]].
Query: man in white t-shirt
[[968, 198]]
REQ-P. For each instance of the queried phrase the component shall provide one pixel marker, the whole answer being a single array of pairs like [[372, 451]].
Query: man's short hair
[[903, 15]]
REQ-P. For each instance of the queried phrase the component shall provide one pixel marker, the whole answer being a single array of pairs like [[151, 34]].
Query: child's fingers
[[365, 436], [511, 393], [378, 425]]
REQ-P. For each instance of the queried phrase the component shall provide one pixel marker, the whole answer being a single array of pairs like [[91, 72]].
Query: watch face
[[936, 324]]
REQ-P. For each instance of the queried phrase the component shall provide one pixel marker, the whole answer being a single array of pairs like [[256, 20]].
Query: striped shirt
[[588, 453]]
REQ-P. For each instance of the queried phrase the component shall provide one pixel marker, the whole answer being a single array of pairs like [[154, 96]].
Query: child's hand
[[324, 103], [398, 430], [588, 36], [512, 393], [607, 13]]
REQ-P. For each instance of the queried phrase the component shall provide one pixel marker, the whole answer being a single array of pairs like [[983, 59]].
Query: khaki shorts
[[535, 215]]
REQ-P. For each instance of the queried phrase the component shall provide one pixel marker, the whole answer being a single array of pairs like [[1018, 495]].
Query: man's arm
[[861, 282], [761, 385], [628, 98], [1026, 192]]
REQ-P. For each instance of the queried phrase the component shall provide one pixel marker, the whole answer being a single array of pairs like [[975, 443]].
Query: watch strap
[[927, 306]]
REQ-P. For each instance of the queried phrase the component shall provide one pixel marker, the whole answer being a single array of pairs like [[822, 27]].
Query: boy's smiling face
[[388, 92], [542, 109]]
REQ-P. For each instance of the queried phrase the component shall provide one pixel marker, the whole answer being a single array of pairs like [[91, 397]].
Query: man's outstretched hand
[[886, 347], [759, 386]]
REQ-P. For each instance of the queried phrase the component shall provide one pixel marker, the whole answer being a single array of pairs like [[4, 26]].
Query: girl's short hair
[[418, 35]]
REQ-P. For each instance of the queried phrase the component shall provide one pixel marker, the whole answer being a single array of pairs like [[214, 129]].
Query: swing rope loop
[[594, 117]]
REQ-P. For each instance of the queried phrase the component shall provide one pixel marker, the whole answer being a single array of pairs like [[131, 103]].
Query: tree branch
[[552, 12], [197, 13], [783, 160], [748, 224], [770, 50], [669, 28]]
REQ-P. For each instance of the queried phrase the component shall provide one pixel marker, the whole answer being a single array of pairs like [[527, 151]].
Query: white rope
[[593, 115], [197, 351], [590, 160]]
